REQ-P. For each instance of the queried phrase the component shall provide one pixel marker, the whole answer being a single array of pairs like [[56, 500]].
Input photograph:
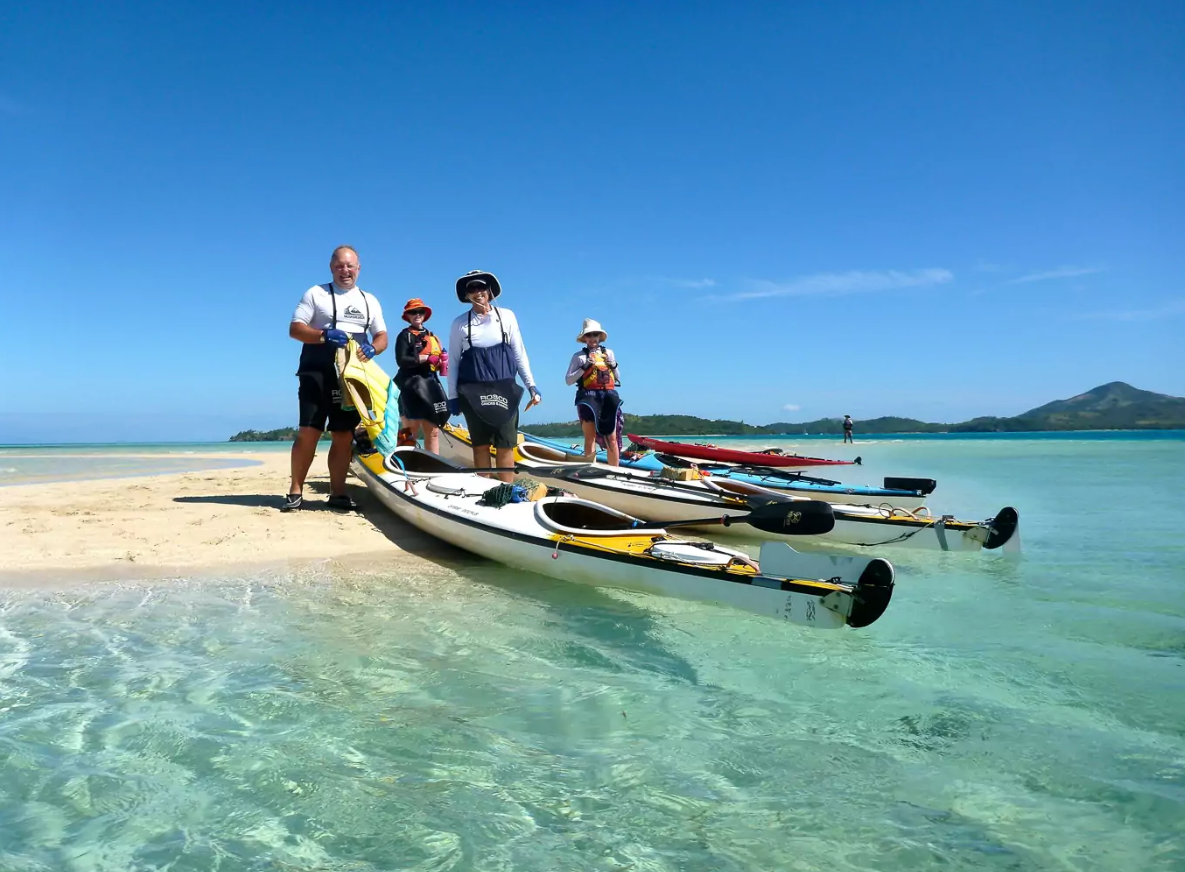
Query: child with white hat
[[594, 371]]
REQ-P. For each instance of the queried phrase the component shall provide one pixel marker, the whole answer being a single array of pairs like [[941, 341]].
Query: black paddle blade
[[791, 518]]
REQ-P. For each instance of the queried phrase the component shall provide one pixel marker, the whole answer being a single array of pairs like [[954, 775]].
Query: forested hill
[[283, 434], [689, 425], [1113, 406]]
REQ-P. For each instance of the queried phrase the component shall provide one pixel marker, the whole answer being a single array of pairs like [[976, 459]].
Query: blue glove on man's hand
[[337, 338], [454, 408], [366, 351]]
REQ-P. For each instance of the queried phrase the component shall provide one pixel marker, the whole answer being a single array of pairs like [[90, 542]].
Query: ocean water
[[449, 714], [39, 464]]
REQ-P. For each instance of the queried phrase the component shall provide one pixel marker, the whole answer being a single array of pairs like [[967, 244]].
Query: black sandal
[[342, 502], [291, 502]]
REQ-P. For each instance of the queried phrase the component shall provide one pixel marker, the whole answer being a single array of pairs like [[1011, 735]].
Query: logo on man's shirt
[[353, 313]]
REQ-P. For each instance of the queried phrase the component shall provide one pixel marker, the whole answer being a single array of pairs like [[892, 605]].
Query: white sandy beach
[[212, 518]]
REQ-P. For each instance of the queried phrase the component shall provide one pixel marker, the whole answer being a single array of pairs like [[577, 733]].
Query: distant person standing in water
[[847, 430], [327, 318]]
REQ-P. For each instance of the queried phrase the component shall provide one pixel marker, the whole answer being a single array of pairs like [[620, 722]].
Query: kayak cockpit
[[544, 454], [584, 518], [416, 461]]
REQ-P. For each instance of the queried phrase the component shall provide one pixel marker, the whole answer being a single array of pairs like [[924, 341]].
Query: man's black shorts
[[481, 433], [321, 403]]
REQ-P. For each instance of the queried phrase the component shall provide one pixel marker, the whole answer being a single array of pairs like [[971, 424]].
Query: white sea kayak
[[574, 539]]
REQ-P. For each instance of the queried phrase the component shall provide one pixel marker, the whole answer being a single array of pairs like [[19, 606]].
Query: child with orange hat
[[423, 401]]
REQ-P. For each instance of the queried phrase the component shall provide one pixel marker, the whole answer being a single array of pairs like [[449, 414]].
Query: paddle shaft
[[806, 518], [788, 517]]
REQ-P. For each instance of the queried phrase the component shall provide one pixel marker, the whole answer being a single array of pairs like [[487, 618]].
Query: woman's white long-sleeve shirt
[[486, 334]]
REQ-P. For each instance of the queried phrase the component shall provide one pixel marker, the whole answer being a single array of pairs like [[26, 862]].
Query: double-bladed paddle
[[798, 518]]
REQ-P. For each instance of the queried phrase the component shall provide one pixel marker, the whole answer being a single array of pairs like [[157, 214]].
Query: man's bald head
[[343, 263]]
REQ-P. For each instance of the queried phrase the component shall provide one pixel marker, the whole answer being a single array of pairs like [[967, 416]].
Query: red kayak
[[731, 455]]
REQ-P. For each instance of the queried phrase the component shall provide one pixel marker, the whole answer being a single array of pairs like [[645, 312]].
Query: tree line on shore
[[1113, 406]]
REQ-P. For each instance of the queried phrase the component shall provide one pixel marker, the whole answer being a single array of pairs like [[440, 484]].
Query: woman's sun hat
[[591, 326], [413, 304], [478, 278]]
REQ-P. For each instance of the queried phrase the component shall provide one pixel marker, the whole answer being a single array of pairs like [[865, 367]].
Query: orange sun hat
[[416, 303]]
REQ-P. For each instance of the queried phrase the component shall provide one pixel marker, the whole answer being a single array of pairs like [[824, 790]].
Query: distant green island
[[1113, 406], [282, 434]]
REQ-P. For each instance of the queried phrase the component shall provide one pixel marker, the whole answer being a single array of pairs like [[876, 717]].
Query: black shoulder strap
[[469, 326]]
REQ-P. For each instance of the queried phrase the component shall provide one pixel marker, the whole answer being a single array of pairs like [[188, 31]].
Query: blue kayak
[[833, 492], [906, 493], [646, 461]]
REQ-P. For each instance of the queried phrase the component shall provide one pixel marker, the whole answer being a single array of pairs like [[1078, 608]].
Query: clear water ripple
[[1004, 715]]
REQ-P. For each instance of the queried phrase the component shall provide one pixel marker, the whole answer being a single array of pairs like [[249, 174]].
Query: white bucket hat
[[591, 326]]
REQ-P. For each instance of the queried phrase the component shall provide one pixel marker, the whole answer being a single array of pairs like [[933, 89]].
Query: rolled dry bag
[[923, 486]]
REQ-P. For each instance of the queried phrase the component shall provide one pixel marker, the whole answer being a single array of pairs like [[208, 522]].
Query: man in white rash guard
[[327, 317], [482, 386]]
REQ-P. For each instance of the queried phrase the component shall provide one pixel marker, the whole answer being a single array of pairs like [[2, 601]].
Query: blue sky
[[779, 211]]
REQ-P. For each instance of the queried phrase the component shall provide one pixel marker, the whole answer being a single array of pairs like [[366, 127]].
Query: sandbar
[[157, 525]]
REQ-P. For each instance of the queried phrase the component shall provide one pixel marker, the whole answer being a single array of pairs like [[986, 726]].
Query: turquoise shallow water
[[38, 464], [450, 714]]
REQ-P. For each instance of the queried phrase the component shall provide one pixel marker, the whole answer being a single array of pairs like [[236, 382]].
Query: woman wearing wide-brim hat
[[423, 403], [481, 387], [594, 371]]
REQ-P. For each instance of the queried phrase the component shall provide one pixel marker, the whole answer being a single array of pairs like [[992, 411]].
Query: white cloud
[[1169, 309], [790, 407], [842, 284], [1062, 272]]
